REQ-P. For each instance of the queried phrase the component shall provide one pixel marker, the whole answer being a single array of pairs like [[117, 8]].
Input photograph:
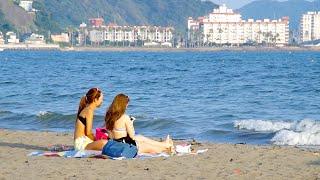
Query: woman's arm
[[88, 129], [129, 127]]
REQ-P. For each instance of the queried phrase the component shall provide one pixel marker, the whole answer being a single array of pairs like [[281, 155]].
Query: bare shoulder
[[86, 113], [126, 118]]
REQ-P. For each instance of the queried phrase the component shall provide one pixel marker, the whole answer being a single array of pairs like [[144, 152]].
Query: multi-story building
[[82, 34], [35, 39], [1, 38], [157, 34], [310, 26], [130, 34], [224, 26], [96, 22], [26, 5], [96, 36], [60, 38], [12, 37]]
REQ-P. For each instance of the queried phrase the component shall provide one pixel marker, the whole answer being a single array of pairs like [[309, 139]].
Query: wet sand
[[222, 161]]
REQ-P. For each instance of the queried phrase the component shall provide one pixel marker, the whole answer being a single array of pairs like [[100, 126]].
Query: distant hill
[[56, 15], [274, 9], [127, 12], [13, 17]]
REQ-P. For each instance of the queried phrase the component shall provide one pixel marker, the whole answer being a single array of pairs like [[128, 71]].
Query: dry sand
[[222, 161]]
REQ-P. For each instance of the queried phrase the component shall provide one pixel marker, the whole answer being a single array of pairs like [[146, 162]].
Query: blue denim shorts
[[119, 149]]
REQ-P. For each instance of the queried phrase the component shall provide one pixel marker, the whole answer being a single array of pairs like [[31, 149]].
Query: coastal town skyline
[[223, 26]]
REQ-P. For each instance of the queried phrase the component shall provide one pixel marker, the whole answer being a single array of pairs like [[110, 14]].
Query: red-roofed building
[[96, 22]]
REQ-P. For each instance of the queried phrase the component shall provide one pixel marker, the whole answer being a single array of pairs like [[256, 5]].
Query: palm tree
[[275, 38], [220, 32], [259, 36], [207, 38]]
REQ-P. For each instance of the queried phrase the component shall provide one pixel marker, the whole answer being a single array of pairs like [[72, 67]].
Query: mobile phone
[[132, 118]]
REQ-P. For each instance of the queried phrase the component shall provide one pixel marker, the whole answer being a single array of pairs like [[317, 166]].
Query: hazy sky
[[235, 4]]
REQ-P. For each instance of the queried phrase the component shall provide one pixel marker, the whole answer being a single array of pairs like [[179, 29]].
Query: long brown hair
[[116, 110], [92, 94]]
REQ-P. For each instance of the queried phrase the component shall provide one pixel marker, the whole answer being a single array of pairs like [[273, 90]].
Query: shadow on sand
[[317, 162], [23, 146]]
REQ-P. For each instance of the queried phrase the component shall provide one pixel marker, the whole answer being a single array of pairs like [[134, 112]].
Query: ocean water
[[232, 97]]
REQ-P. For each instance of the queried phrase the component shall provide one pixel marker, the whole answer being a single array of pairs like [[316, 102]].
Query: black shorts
[[127, 140]]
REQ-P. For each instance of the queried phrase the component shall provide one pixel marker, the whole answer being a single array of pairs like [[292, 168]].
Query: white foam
[[286, 137], [43, 113], [305, 132], [262, 125]]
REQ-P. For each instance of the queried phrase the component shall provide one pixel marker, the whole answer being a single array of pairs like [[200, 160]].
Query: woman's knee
[[96, 145]]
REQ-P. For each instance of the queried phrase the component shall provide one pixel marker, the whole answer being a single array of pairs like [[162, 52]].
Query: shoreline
[[53, 47], [222, 161], [202, 49]]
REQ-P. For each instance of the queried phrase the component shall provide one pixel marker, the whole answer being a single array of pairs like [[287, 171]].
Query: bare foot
[[169, 144]]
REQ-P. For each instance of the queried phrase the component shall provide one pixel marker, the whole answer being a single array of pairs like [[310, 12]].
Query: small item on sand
[[237, 171], [183, 149], [194, 142], [101, 133], [200, 151], [60, 148]]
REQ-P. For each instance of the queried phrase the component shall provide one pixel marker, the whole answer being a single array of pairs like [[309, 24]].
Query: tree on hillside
[[16, 2], [44, 20], [5, 26]]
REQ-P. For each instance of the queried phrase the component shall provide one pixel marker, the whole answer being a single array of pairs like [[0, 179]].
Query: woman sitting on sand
[[83, 136], [120, 128]]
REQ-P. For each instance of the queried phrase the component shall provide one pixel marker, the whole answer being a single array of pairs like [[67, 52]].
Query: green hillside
[[5, 25], [13, 17], [56, 15], [126, 12]]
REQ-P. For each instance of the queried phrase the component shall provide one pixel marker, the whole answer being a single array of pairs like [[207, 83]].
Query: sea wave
[[54, 116], [43, 114], [42, 120], [4, 113], [262, 125], [304, 132], [287, 137], [46, 116]]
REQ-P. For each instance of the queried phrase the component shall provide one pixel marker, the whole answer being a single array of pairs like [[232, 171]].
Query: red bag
[[101, 133]]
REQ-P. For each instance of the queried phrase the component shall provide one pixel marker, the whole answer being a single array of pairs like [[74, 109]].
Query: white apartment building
[[12, 37], [224, 26], [82, 34], [1, 38], [310, 26], [115, 33], [26, 5], [134, 33], [96, 36], [35, 39]]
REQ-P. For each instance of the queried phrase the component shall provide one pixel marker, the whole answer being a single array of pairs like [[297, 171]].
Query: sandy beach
[[222, 161]]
